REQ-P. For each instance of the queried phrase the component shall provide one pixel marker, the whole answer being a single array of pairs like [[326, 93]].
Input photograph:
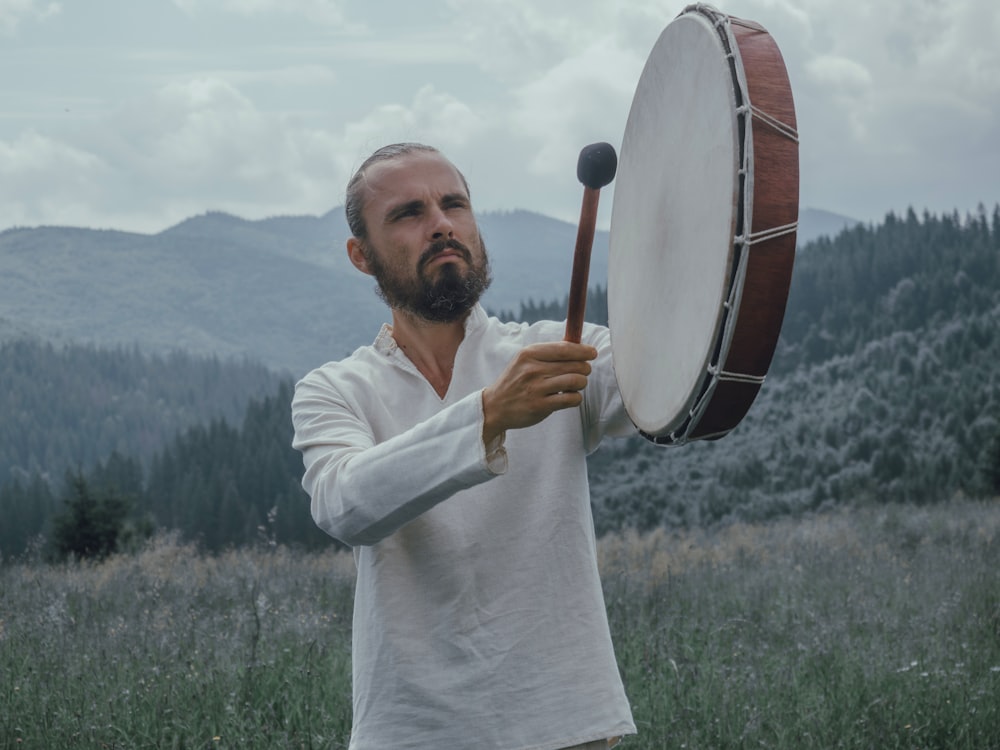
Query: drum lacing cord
[[722, 25], [767, 234], [786, 130], [744, 23], [737, 377]]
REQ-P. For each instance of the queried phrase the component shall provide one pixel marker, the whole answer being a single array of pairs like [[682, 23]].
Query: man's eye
[[405, 213]]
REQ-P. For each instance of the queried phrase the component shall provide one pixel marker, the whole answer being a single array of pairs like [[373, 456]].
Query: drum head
[[672, 224]]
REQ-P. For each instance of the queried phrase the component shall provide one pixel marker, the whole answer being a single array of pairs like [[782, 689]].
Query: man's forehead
[[416, 171]]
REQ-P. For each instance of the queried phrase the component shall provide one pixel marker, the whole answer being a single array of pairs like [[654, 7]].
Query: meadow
[[875, 627]]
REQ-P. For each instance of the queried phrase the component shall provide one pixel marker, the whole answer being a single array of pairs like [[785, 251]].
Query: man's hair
[[354, 203]]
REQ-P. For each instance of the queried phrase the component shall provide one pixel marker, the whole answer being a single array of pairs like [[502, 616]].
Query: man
[[451, 455]]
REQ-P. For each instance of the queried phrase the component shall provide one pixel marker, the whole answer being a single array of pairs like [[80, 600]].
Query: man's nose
[[441, 226]]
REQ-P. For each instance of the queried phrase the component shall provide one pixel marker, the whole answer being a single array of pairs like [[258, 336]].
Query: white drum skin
[[675, 197]]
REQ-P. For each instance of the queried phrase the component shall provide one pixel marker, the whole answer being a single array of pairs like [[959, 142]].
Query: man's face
[[423, 245]]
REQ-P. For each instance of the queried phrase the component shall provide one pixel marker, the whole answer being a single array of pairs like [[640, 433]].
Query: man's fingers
[[550, 370], [564, 400], [561, 351], [566, 382]]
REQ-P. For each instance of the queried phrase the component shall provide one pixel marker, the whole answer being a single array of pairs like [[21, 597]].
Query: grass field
[[874, 628]]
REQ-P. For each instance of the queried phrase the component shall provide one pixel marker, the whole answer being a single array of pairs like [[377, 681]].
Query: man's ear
[[355, 251]]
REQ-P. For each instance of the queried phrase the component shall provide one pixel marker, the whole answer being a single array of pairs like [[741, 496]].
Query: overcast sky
[[135, 114]]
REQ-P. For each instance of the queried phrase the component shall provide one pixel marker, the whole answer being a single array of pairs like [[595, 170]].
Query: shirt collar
[[386, 344]]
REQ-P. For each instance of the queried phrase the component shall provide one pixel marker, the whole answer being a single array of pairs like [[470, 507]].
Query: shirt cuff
[[496, 454]]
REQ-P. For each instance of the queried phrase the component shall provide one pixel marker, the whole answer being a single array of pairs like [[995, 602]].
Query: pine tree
[[90, 524]]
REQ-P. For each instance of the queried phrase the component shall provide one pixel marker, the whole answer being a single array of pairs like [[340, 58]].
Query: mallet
[[595, 169]]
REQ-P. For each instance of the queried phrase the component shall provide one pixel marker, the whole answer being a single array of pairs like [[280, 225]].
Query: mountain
[[278, 290], [884, 387], [815, 223]]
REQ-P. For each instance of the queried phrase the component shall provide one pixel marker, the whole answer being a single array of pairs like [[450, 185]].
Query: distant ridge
[[815, 223], [278, 290]]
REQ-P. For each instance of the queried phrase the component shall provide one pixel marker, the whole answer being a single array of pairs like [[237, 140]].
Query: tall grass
[[876, 628], [172, 649], [872, 629]]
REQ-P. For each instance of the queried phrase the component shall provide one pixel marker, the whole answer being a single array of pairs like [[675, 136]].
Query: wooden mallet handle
[[595, 169]]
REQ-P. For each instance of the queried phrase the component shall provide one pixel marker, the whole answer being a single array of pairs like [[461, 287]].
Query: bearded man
[[451, 455]]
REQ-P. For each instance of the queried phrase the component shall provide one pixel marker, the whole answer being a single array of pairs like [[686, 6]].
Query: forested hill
[[884, 387], [70, 406], [907, 274]]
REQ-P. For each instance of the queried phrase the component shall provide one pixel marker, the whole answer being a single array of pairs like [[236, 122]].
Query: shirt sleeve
[[363, 491], [602, 412]]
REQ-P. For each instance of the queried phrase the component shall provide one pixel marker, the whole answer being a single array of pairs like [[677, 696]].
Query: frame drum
[[703, 227]]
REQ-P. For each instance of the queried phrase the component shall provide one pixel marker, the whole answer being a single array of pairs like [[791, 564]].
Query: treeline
[[226, 486], [532, 311], [904, 275], [70, 406], [101, 414], [216, 483]]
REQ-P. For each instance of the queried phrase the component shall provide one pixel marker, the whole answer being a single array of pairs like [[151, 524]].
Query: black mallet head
[[597, 165]]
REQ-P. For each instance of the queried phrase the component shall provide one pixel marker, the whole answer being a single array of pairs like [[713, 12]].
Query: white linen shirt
[[479, 619]]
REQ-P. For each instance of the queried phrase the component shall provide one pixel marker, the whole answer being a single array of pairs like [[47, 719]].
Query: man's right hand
[[540, 379]]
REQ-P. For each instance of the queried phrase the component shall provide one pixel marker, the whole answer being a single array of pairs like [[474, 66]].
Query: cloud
[[515, 39], [329, 12], [897, 103], [48, 181], [202, 143], [187, 147], [205, 139], [308, 75], [839, 73], [584, 98], [434, 117], [431, 114], [519, 40], [194, 131], [14, 12]]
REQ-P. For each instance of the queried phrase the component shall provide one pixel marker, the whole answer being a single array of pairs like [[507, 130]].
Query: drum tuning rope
[[786, 130], [768, 234], [740, 377], [722, 23]]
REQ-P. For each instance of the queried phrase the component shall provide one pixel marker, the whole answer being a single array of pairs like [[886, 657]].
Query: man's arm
[[362, 491]]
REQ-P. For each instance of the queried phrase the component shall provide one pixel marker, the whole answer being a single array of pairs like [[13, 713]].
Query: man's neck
[[430, 346]]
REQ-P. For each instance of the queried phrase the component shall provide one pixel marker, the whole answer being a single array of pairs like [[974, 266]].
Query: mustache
[[438, 247]]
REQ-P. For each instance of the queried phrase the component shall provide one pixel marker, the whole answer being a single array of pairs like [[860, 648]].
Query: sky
[[137, 114]]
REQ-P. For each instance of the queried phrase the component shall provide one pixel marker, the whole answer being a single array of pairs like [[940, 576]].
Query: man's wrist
[[491, 431], [493, 441]]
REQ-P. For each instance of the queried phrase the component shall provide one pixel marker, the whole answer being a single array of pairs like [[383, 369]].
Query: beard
[[443, 299]]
